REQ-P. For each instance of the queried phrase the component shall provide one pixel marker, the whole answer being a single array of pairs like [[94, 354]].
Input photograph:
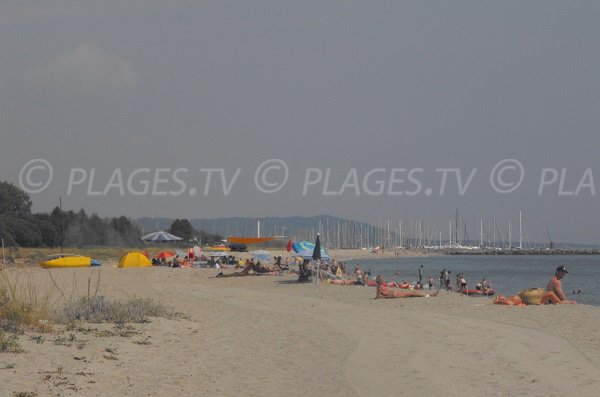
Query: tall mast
[[494, 233], [456, 240], [520, 230], [481, 232]]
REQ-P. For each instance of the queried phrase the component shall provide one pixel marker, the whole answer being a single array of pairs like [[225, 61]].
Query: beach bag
[[532, 296]]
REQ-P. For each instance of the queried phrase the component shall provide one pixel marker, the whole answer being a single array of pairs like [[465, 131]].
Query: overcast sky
[[350, 86]]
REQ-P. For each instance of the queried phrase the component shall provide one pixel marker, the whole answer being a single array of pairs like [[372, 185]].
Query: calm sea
[[507, 274]]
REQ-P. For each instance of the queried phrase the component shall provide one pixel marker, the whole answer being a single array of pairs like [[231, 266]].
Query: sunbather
[[244, 272], [259, 268], [384, 293]]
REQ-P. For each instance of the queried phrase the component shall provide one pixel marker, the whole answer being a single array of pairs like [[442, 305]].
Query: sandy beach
[[270, 336]]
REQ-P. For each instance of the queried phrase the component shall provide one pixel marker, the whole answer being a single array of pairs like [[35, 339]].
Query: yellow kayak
[[69, 260]]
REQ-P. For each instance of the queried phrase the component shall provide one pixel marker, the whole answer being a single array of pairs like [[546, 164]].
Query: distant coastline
[[351, 254], [531, 251]]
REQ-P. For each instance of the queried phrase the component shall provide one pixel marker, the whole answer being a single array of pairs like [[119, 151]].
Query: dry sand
[[269, 336]]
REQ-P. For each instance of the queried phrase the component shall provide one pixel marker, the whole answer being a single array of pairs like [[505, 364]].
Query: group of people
[[383, 292], [251, 265], [445, 282], [461, 282], [176, 261], [552, 294]]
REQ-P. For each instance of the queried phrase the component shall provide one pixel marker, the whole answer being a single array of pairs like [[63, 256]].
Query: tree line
[[20, 227]]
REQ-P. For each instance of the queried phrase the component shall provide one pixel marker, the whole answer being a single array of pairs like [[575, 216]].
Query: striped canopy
[[161, 237]]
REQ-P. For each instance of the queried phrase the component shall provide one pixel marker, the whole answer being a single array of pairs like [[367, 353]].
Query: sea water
[[507, 274]]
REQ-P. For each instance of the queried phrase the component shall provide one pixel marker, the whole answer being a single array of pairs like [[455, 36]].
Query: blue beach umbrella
[[305, 250]]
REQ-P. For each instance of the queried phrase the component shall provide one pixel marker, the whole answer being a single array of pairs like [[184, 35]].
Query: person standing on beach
[[430, 282], [421, 274], [463, 283]]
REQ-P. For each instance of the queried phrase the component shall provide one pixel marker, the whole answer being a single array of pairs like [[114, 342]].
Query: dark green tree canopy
[[13, 200], [182, 228], [19, 227]]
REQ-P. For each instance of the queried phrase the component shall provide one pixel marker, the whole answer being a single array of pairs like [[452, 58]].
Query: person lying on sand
[[384, 293], [548, 297], [244, 272], [552, 295], [260, 268], [359, 280]]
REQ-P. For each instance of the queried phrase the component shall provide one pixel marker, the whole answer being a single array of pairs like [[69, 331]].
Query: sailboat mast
[[481, 232], [520, 230], [494, 240]]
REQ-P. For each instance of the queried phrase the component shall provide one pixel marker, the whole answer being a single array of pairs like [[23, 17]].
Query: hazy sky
[[161, 92]]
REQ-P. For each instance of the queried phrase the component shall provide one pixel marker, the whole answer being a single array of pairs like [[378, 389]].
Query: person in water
[[552, 295], [384, 293]]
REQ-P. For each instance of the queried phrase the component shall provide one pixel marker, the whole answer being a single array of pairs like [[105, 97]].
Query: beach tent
[[134, 259]]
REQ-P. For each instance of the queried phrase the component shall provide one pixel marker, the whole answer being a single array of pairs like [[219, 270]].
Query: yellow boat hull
[[68, 261]]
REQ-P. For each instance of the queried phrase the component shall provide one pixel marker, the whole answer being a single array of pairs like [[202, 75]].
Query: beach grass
[[27, 303], [22, 301], [99, 309]]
